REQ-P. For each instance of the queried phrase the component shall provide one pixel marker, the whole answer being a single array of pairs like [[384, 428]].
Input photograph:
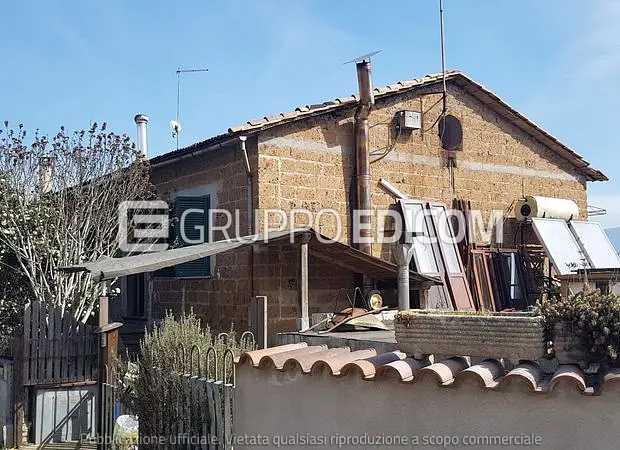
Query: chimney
[[46, 172], [362, 155], [141, 121]]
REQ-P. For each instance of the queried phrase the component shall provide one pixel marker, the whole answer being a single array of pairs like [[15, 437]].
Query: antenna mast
[[443, 57], [177, 128]]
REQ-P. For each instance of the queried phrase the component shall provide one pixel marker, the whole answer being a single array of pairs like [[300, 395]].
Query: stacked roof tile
[[490, 374]]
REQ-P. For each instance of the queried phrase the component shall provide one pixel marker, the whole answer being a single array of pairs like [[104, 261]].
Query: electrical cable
[[389, 150]]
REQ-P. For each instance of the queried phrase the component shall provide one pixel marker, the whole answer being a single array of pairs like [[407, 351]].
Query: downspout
[[248, 172], [250, 194], [362, 155]]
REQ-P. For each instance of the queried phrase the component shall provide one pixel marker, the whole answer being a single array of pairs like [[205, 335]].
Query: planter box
[[497, 335], [570, 344]]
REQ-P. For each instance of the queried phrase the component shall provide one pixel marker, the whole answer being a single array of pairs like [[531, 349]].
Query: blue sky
[[71, 63]]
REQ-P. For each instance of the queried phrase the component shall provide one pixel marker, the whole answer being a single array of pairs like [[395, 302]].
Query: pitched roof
[[489, 374], [461, 80]]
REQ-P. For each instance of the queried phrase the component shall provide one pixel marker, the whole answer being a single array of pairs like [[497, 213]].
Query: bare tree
[[59, 201]]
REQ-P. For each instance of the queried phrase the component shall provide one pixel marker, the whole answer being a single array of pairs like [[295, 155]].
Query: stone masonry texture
[[309, 164]]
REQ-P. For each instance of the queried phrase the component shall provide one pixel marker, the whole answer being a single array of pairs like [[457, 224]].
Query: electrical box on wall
[[409, 120]]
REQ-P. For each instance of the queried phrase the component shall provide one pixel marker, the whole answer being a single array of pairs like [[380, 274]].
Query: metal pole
[[403, 253], [443, 56]]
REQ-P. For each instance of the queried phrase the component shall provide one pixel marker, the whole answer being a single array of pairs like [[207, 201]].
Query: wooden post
[[304, 321], [103, 310], [108, 349], [423, 294], [149, 300], [19, 390], [257, 321]]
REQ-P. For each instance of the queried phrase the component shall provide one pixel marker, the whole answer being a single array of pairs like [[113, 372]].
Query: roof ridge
[[463, 81]]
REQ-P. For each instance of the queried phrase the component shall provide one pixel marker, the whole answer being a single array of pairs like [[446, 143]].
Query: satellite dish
[[365, 57], [176, 127], [450, 133]]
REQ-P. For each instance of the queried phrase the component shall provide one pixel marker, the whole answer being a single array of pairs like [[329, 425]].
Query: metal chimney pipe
[[362, 154], [403, 253], [141, 121]]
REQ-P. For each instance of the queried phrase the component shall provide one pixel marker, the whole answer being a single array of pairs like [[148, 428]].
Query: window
[[191, 227], [135, 295], [445, 237], [415, 223]]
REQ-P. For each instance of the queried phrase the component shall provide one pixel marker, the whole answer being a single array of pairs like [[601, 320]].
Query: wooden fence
[[58, 349], [195, 410]]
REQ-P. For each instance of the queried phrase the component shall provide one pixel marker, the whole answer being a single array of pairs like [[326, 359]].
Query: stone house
[[306, 159]]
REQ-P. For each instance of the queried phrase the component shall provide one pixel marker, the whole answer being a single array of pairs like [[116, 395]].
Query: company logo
[[143, 226]]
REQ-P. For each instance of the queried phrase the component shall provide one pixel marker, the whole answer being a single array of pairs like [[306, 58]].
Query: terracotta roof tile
[[306, 361], [569, 375], [485, 373], [335, 364], [366, 364], [444, 371], [367, 368], [255, 356], [278, 360], [403, 370], [527, 374]]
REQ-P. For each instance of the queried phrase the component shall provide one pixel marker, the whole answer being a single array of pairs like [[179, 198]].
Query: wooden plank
[[91, 373], [19, 398], [219, 413], [211, 403], [64, 354], [80, 353], [42, 344], [203, 411], [71, 349], [34, 370], [228, 415], [57, 343], [27, 342], [258, 320], [49, 364]]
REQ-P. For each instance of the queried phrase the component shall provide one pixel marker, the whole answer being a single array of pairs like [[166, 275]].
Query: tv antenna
[[363, 58], [176, 124], [443, 58]]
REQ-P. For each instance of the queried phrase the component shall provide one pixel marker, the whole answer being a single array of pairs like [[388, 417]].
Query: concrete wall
[[288, 405], [309, 164]]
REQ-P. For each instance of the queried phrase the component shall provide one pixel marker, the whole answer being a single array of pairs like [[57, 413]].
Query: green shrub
[[594, 313], [166, 354]]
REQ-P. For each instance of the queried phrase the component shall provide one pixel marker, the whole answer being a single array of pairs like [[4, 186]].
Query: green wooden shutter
[[193, 220]]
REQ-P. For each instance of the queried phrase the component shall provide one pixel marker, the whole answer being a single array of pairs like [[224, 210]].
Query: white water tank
[[550, 208]]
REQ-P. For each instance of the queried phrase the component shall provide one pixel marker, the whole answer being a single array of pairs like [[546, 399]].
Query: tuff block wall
[[309, 164], [220, 300]]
